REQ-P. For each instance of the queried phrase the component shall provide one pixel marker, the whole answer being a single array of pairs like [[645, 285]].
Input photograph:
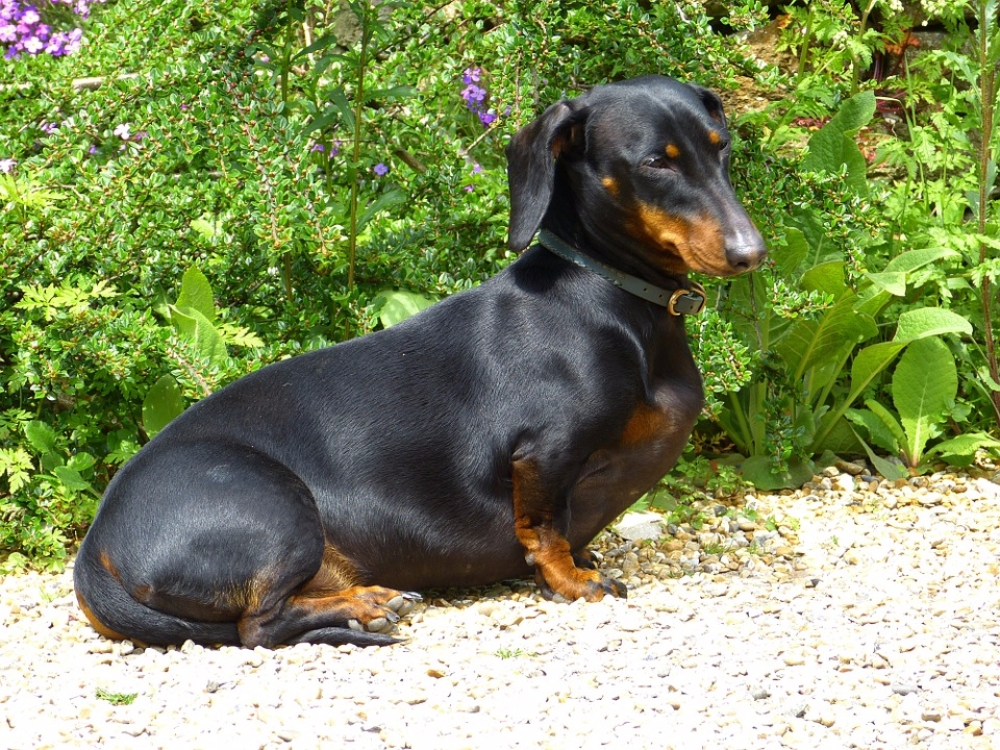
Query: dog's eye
[[659, 162]]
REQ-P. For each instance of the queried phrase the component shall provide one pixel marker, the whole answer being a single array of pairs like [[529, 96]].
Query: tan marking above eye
[[714, 137], [610, 184], [672, 151]]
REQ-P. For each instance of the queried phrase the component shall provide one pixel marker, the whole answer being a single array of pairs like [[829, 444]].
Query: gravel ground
[[853, 613]]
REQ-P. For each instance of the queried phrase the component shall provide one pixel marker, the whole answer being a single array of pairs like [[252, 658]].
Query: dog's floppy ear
[[712, 103], [531, 169]]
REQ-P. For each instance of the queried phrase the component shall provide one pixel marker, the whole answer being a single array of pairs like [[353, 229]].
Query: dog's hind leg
[[234, 553]]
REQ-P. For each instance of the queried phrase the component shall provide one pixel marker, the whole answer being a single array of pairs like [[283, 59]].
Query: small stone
[[640, 526], [793, 658], [905, 688]]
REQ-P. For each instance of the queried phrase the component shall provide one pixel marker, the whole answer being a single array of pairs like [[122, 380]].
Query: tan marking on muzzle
[[697, 244]]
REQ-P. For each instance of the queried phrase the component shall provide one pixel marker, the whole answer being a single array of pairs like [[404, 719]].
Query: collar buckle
[[687, 301]]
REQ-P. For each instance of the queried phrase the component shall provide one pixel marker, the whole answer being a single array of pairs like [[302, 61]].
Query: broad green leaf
[[198, 330], [81, 462], [340, 101], [961, 450], [877, 430], [384, 201], [912, 260], [398, 305], [49, 461], [854, 113], [196, 293], [869, 362], [794, 254], [393, 92], [833, 146], [162, 404], [825, 277], [888, 420], [924, 387], [41, 436], [892, 282], [71, 478], [761, 472], [929, 321], [810, 342], [884, 466]]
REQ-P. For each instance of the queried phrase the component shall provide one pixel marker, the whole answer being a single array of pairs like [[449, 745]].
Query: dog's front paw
[[588, 585]]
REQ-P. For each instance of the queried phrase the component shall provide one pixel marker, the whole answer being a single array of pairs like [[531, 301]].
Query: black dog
[[491, 436]]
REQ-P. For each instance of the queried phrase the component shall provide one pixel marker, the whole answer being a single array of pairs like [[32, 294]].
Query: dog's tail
[[117, 615]]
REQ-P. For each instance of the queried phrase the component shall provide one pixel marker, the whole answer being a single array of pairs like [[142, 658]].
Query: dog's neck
[[688, 299]]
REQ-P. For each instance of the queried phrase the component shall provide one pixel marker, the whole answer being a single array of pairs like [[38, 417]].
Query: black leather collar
[[683, 301]]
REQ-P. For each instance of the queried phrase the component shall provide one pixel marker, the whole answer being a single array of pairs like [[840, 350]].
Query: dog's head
[[639, 170]]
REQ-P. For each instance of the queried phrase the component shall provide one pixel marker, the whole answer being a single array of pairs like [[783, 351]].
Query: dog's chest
[[618, 474]]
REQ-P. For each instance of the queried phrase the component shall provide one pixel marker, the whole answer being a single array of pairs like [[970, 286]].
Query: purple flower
[[380, 169], [22, 27], [477, 168], [49, 127], [475, 96], [7, 165]]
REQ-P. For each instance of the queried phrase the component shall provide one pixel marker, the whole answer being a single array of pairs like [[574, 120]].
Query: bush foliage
[[202, 188]]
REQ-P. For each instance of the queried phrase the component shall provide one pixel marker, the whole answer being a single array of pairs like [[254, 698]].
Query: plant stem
[[363, 10], [987, 92], [855, 75]]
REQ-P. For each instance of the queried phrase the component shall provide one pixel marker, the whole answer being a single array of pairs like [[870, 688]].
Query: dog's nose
[[746, 253]]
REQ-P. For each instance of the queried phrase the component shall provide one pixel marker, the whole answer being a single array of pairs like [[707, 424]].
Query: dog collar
[[678, 302]]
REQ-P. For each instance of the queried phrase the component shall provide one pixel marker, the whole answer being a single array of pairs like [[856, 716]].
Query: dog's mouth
[[700, 244]]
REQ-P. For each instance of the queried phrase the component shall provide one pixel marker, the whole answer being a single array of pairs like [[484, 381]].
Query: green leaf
[[890, 422], [878, 431], [887, 468], [162, 404], [198, 330], [810, 343], [854, 113], [384, 201], [924, 387], [825, 277], [398, 305], [761, 472], [913, 260], [961, 450], [71, 478], [929, 321], [196, 293], [832, 147], [41, 436], [81, 462], [869, 362], [894, 283], [393, 92]]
